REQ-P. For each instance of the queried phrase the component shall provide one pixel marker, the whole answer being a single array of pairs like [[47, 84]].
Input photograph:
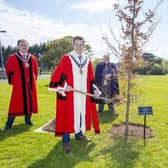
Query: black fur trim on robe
[[23, 85], [10, 74], [30, 72], [92, 91], [60, 82]]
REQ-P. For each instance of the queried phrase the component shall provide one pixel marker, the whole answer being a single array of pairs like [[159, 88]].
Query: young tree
[[136, 29]]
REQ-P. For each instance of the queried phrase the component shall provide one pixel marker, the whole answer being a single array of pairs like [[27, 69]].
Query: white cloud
[[36, 29], [94, 6]]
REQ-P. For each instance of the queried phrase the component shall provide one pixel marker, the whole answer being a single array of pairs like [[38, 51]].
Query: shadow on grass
[[15, 130], [106, 117], [46, 85], [122, 153], [57, 158]]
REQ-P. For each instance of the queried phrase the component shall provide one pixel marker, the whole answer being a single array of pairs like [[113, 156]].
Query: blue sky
[[65, 10], [42, 20]]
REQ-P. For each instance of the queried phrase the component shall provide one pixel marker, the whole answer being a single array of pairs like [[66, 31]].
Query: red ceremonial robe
[[65, 105], [23, 80]]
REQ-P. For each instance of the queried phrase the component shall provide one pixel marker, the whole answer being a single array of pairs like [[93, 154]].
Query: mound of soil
[[135, 130]]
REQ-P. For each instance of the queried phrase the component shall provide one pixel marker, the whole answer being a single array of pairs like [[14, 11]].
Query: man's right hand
[[68, 88], [107, 76]]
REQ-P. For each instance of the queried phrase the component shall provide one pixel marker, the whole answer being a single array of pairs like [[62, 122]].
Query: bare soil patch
[[135, 130]]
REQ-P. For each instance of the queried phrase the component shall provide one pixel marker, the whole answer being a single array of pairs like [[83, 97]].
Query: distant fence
[[45, 71], [41, 72], [2, 75]]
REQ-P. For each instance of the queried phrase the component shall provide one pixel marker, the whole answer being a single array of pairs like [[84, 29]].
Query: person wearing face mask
[[107, 80], [74, 111], [21, 71]]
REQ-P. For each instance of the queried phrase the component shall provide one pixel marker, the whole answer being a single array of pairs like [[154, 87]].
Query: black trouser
[[9, 122], [110, 107], [28, 119], [11, 119]]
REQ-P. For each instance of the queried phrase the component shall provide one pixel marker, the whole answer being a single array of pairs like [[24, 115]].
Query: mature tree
[[136, 29], [58, 47], [48, 54], [164, 67], [152, 65], [88, 51], [38, 50], [6, 52], [55, 49]]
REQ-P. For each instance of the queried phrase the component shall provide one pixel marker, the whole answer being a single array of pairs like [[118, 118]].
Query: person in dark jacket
[[107, 81]]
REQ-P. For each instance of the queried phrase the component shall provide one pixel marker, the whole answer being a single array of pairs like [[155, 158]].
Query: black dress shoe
[[29, 123], [66, 147], [28, 120], [83, 138], [5, 129], [8, 124]]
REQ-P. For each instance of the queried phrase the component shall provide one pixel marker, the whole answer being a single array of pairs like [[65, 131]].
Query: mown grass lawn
[[22, 147]]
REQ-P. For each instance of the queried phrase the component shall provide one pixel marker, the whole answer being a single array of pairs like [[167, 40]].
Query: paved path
[[44, 76]]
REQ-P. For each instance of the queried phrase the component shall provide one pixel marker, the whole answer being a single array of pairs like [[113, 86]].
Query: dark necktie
[[24, 57], [80, 59]]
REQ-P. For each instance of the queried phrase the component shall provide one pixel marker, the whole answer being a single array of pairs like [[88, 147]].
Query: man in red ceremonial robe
[[74, 111], [21, 71]]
